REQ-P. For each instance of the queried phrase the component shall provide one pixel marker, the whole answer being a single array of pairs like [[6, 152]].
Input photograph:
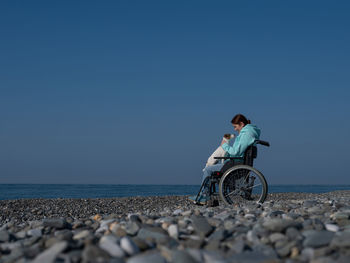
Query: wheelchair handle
[[265, 143]]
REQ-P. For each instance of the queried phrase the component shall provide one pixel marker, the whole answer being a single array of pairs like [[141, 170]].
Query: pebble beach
[[287, 227]]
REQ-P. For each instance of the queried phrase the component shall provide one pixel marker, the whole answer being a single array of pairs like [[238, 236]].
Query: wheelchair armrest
[[225, 158], [265, 143]]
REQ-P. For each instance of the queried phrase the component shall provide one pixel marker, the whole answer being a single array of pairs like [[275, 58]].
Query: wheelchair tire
[[242, 183]]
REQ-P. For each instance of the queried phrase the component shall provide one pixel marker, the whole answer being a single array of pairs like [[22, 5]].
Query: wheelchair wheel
[[242, 183]]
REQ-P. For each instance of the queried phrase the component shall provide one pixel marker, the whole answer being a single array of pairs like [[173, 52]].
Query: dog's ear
[[227, 135]]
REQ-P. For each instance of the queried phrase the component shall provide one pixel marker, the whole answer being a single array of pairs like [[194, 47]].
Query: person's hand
[[222, 142]]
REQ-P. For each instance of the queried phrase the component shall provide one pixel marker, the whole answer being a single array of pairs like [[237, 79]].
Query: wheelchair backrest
[[250, 154]]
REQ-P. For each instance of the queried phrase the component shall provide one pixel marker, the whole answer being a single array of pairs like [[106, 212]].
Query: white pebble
[[81, 234], [177, 212], [332, 227], [109, 244], [50, 254], [129, 246], [173, 231]]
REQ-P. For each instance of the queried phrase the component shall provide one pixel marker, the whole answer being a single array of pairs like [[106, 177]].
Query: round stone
[[128, 245], [173, 231], [109, 244], [82, 234], [318, 239], [332, 227]]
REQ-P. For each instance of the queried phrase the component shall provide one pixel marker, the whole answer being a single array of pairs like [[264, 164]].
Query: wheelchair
[[237, 181]]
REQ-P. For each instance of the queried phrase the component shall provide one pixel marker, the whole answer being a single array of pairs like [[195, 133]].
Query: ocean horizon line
[[19, 191]]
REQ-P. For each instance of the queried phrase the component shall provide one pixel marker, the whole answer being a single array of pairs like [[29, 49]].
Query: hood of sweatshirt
[[252, 129]]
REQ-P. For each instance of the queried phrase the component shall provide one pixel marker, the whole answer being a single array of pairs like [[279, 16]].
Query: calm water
[[16, 191]]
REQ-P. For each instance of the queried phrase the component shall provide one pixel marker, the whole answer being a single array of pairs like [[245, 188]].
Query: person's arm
[[239, 147], [234, 150]]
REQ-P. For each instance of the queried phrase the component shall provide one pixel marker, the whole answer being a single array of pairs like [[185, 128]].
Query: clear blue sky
[[142, 91]]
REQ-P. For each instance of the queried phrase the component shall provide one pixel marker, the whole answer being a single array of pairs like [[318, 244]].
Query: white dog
[[219, 152]]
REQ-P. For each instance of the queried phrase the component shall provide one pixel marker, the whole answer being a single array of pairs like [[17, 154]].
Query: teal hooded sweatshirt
[[246, 137]]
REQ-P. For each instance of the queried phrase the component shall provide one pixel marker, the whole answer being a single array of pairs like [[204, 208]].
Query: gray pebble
[[32, 251], [132, 228], [195, 254], [135, 218], [187, 213], [277, 213], [318, 239], [236, 245], [109, 244], [293, 234], [50, 254], [35, 232], [219, 235], [13, 256], [82, 234], [10, 245], [4, 236], [151, 257], [283, 249], [201, 225], [128, 245], [21, 234], [277, 224], [251, 257], [274, 237], [213, 257], [341, 240], [181, 256], [92, 253], [64, 235], [152, 232], [229, 225]]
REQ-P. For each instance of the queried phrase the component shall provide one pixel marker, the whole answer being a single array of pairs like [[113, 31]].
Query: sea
[[24, 191]]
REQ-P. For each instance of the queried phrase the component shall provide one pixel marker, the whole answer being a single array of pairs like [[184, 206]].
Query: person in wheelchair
[[247, 135]]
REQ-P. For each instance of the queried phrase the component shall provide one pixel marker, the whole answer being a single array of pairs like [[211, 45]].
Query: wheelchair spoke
[[246, 177], [253, 186], [233, 192]]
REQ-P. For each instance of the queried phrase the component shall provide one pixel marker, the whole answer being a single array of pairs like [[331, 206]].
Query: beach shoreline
[[288, 227]]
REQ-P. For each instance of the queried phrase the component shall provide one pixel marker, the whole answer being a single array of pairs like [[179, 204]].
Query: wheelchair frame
[[217, 177]]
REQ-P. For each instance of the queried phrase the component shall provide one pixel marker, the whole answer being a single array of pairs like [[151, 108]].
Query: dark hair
[[240, 118]]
